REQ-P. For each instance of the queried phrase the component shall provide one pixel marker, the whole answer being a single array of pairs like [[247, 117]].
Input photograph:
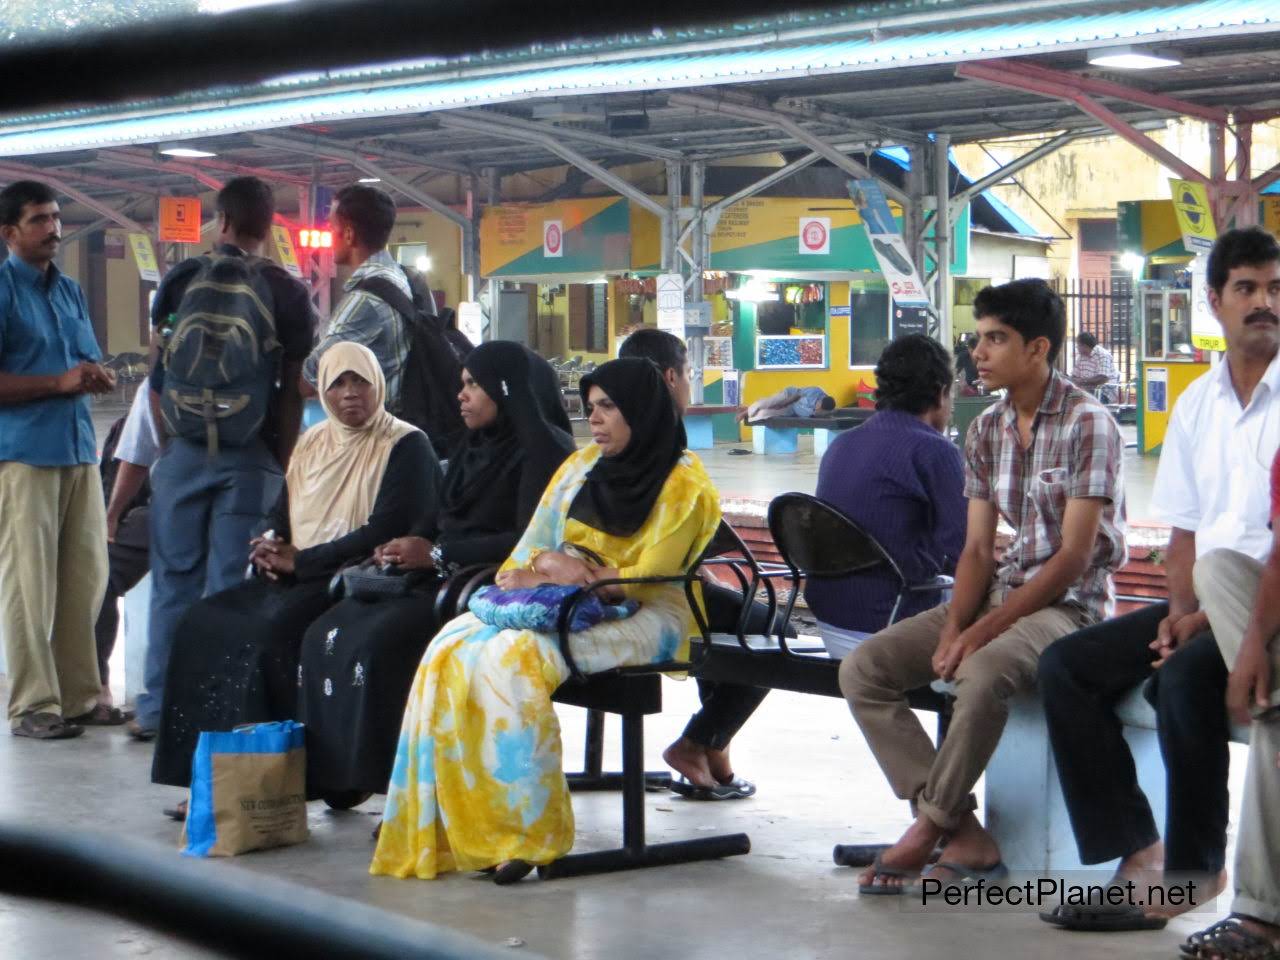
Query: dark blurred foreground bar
[[230, 910]]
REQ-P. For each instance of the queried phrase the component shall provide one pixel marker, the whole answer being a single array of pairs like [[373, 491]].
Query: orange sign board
[[179, 219]]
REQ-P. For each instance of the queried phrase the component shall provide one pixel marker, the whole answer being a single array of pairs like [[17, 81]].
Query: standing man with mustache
[[1213, 488], [53, 559]]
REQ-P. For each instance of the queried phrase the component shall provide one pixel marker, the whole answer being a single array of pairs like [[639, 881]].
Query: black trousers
[[126, 566], [726, 706], [1082, 677]]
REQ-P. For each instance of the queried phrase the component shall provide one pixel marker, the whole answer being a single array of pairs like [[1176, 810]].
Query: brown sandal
[[46, 726], [103, 716]]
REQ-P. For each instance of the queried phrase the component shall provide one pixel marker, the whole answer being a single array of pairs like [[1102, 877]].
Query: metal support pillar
[[670, 217], [913, 209], [942, 234], [473, 257], [693, 289]]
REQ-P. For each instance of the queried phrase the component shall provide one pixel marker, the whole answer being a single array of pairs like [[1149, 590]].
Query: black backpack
[[432, 373], [220, 360]]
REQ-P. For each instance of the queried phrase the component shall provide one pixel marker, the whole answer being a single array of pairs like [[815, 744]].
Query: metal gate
[[1103, 308]]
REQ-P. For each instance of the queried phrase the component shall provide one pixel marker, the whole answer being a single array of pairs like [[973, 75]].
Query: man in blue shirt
[[53, 561], [901, 480]]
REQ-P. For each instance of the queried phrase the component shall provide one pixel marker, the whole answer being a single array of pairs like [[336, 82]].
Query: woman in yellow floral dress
[[478, 779]]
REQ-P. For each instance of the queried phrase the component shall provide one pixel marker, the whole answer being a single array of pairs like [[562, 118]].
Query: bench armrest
[[570, 604], [936, 585], [456, 591]]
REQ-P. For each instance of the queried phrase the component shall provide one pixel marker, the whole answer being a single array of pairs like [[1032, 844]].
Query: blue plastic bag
[[248, 790]]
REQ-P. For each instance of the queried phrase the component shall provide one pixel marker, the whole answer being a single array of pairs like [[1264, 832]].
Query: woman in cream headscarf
[[355, 481]]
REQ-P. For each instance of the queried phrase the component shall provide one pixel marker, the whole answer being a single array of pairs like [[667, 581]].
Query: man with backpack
[[234, 330], [389, 309]]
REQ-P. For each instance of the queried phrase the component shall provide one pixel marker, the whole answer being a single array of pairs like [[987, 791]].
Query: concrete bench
[[1025, 810], [699, 427], [781, 434]]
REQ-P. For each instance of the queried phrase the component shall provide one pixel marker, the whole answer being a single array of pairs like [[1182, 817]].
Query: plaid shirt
[[1076, 451], [1100, 363]]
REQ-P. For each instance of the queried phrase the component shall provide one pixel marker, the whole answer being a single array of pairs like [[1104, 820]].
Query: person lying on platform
[[789, 402], [478, 779], [1048, 460]]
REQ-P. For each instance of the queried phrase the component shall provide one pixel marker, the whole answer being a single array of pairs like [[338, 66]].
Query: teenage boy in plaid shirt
[[1048, 459]]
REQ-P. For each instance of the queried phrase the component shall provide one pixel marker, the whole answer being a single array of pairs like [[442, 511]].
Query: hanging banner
[[815, 236], [284, 248], [144, 254], [552, 238], [671, 303], [179, 220], [1206, 332], [1195, 216], [899, 272]]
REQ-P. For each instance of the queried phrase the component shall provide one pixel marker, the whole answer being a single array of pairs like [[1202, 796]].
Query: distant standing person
[[53, 557], [1095, 369], [224, 462], [966, 369]]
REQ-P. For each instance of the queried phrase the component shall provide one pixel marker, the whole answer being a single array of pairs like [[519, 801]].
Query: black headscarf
[[620, 490], [531, 426]]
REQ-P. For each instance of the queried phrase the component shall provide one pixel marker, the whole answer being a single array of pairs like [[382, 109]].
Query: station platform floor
[[818, 785]]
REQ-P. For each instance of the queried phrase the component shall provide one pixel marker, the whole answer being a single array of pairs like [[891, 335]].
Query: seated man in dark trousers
[[1048, 459], [701, 755], [1242, 598], [1212, 489]]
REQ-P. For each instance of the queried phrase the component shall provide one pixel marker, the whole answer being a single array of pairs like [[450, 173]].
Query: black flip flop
[[735, 789], [177, 812], [966, 877], [1102, 918], [889, 889], [513, 871], [864, 854]]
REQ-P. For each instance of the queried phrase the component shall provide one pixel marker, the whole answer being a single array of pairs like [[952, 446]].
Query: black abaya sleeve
[[409, 493]]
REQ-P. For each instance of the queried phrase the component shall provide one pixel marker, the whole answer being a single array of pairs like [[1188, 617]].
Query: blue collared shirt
[[902, 482], [44, 331]]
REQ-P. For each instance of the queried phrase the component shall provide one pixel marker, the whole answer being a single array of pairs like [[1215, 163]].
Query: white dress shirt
[[139, 441], [1214, 474]]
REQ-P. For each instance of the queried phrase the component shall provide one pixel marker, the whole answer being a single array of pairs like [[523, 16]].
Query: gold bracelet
[[534, 554]]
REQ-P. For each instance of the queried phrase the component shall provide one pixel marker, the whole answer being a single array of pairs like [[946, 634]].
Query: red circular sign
[[814, 235], [552, 238]]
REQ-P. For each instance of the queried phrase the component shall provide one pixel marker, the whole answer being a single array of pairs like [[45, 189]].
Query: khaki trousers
[[1227, 583], [877, 675], [53, 573]]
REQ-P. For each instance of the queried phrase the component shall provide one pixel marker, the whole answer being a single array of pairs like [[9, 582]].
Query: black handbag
[[369, 581]]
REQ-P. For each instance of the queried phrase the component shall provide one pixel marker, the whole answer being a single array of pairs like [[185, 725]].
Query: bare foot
[[971, 845], [910, 853], [719, 764], [690, 761], [1182, 895], [1145, 866], [104, 697]]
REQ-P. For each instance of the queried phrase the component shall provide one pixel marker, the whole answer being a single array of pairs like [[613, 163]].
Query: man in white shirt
[[124, 474], [1212, 488], [1095, 369]]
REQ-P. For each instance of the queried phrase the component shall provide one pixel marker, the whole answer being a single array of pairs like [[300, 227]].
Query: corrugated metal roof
[[232, 114]]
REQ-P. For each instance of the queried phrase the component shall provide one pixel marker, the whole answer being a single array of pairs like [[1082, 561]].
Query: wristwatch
[[437, 557]]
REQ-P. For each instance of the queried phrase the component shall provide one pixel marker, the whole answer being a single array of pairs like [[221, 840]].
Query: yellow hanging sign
[[145, 256], [1195, 216], [284, 247]]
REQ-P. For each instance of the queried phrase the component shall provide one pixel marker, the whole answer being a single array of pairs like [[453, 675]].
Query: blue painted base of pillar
[[822, 438], [1025, 811], [770, 440], [700, 432]]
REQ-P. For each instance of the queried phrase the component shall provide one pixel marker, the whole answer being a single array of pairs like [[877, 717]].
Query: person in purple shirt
[[901, 480]]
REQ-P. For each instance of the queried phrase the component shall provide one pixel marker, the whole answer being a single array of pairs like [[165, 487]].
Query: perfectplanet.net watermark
[[1044, 893]]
